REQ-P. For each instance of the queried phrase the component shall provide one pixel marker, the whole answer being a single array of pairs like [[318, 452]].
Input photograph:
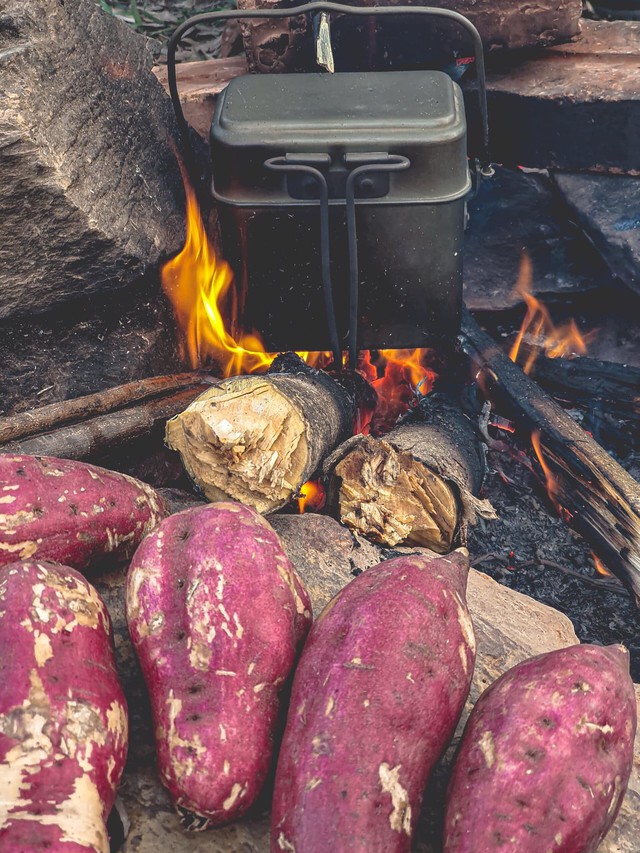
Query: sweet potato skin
[[377, 693], [545, 757], [71, 512], [63, 716], [217, 616]]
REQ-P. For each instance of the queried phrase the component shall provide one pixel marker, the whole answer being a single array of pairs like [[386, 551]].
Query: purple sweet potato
[[377, 693], [71, 512], [63, 717], [217, 615], [545, 757]]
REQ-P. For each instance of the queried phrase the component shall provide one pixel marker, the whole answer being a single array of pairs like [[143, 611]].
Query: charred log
[[257, 439], [598, 497], [418, 485]]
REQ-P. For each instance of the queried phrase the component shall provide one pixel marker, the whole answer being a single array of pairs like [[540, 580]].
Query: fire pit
[[391, 431]]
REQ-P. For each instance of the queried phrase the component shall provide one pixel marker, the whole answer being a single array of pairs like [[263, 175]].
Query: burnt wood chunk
[[573, 107], [91, 193], [278, 45], [608, 208], [596, 496]]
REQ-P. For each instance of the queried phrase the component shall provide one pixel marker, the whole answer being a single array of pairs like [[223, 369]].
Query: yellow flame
[[601, 569], [311, 496], [563, 340]]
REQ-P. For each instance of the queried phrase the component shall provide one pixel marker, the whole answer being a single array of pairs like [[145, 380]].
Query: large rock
[[572, 107], [509, 628], [608, 208], [91, 193]]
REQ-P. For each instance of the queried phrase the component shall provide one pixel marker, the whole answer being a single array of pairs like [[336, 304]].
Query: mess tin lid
[[419, 114]]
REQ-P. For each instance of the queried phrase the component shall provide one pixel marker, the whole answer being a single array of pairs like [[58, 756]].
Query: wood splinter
[[418, 485]]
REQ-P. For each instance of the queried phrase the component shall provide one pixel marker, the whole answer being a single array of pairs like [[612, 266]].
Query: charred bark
[[599, 498]]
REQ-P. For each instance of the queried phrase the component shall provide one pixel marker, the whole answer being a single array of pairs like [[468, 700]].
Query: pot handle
[[364, 11]]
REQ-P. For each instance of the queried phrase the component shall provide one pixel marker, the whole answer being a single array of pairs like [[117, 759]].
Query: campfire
[[391, 525]]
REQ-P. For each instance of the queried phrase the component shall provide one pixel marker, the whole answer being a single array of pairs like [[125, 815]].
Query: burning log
[[20, 426], [595, 494], [93, 437], [418, 486], [583, 381], [257, 439]]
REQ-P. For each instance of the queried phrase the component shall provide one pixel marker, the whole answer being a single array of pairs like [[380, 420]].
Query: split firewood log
[[418, 485], [257, 439]]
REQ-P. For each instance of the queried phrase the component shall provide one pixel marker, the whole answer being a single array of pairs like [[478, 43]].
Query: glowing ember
[[312, 496], [555, 341], [198, 284], [601, 569]]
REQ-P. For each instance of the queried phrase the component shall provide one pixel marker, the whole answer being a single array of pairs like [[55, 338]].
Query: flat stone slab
[[516, 211], [608, 208], [509, 628], [574, 106]]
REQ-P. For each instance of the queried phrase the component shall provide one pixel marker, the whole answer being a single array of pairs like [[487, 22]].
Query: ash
[[531, 550]]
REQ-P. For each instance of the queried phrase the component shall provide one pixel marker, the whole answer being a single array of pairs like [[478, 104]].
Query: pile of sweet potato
[[222, 626]]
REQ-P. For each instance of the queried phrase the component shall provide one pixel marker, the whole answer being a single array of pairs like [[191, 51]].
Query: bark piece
[[416, 486], [283, 44], [257, 439], [599, 498], [608, 208], [45, 418], [573, 107], [91, 193], [94, 437]]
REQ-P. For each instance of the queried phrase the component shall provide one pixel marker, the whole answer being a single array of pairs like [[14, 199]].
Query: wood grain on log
[[46, 418], [257, 439], [91, 193], [600, 499], [95, 436], [418, 485]]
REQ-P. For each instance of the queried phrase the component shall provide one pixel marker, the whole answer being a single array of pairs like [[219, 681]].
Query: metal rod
[[393, 163], [280, 164], [363, 11]]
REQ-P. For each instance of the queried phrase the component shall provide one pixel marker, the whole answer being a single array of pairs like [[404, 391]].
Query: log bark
[[91, 192], [46, 418], [418, 485], [95, 436], [598, 497], [257, 439]]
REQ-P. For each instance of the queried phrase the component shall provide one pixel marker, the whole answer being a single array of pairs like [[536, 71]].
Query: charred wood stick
[[418, 485], [94, 436], [600, 499], [257, 439], [20, 426], [583, 381]]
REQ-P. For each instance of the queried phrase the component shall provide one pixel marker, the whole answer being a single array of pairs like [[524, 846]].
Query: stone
[[572, 107], [284, 44], [91, 192], [515, 211], [608, 208]]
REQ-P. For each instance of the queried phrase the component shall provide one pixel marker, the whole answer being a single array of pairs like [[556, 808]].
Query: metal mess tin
[[342, 201]]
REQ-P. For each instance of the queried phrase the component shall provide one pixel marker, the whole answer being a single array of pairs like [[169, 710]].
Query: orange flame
[[198, 284], [563, 340], [312, 496], [551, 482], [601, 569]]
